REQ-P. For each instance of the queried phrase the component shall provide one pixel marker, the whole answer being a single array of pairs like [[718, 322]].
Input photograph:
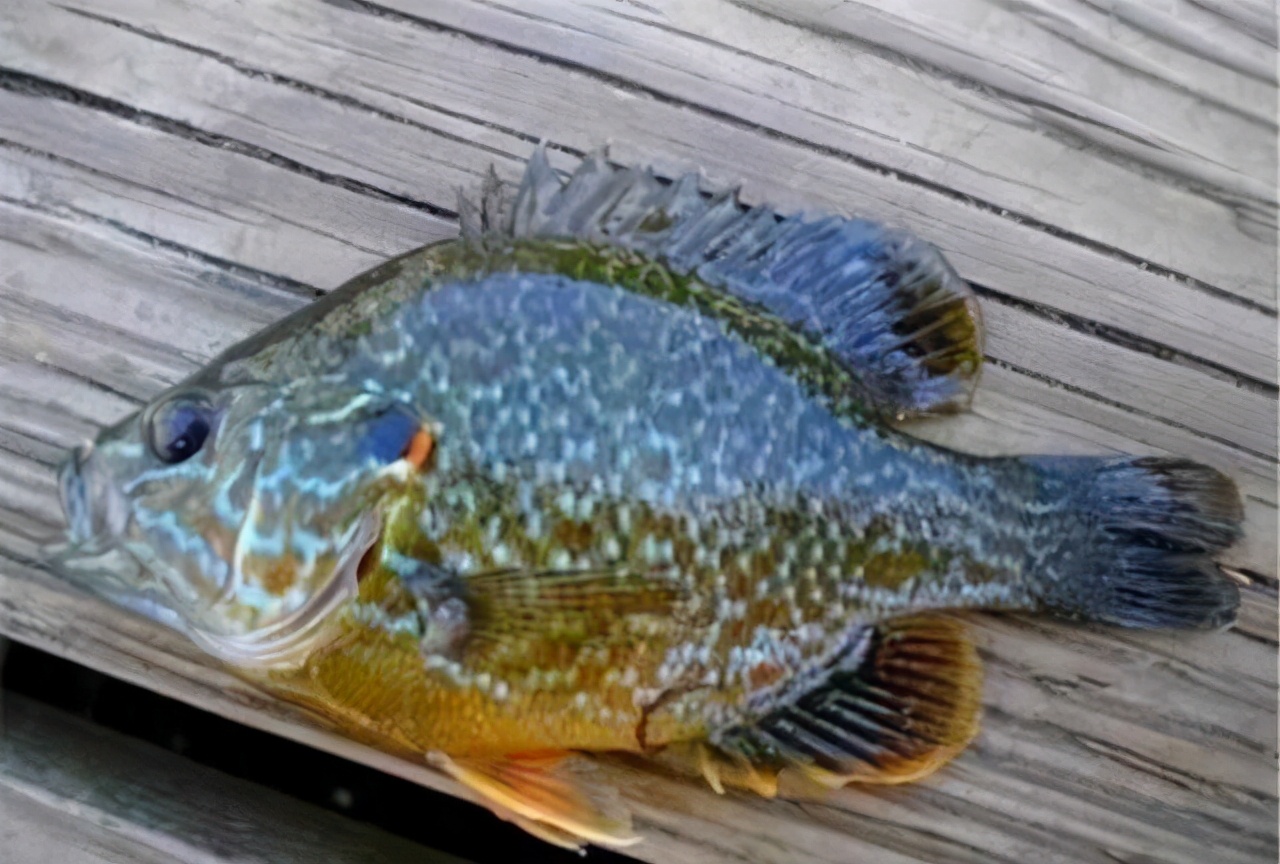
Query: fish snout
[[82, 493], [73, 495]]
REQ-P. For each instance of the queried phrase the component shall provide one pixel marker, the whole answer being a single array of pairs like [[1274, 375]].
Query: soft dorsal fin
[[894, 711], [884, 302]]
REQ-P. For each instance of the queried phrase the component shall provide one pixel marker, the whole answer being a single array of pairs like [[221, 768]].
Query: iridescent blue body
[[546, 388], [619, 470]]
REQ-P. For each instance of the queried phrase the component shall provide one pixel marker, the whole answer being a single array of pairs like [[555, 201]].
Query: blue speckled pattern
[[609, 393], [617, 470]]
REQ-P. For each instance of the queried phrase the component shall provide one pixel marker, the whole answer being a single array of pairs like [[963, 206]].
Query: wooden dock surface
[[174, 174], [75, 793]]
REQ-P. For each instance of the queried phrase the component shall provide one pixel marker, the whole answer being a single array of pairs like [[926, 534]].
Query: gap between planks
[[1147, 382], [77, 793], [990, 248]]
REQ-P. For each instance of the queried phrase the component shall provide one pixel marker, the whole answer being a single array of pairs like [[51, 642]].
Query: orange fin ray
[[543, 794], [722, 770], [903, 706]]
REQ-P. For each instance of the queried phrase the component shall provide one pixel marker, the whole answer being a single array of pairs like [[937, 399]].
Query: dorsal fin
[[882, 301]]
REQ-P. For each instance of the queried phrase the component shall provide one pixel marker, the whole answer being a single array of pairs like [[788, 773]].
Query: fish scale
[[619, 470]]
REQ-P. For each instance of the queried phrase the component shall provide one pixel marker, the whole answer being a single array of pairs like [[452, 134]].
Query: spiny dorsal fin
[[880, 299], [907, 702]]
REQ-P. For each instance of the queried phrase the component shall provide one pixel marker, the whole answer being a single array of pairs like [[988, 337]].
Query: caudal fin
[[1155, 525]]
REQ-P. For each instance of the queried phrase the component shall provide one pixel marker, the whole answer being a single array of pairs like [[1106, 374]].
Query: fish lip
[[73, 494], [108, 571]]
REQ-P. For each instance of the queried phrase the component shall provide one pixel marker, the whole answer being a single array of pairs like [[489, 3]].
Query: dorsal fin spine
[[884, 302]]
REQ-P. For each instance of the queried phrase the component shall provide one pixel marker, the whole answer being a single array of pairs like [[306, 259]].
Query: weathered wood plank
[[305, 230], [987, 95], [289, 81], [362, 224], [1171, 702], [1097, 740], [174, 175], [76, 793]]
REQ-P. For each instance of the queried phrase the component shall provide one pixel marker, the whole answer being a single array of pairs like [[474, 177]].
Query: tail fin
[[1155, 525]]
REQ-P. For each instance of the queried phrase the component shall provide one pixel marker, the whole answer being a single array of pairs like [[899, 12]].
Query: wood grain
[[77, 793], [176, 174], [414, 113]]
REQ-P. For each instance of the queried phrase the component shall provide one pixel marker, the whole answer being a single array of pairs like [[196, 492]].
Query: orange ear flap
[[420, 447]]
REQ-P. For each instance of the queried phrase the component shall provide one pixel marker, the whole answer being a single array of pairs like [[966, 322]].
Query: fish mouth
[[74, 496], [96, 512], [87, 555], [287, 643], [104, 569]]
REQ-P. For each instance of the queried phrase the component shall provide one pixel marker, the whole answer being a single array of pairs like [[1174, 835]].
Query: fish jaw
[[114, 575], [89, 555], [287, 643]]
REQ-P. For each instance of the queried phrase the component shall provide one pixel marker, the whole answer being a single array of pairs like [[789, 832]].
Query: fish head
[[240, 514]]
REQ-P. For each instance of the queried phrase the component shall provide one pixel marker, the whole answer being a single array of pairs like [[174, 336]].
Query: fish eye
[[179, 428]]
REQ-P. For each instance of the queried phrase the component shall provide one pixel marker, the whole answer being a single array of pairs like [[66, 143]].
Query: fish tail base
[[1156, 524]]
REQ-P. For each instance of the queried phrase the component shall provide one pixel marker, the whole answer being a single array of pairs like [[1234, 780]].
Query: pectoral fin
[[571, 606], [906, 704], [547, 796], [481, 611]]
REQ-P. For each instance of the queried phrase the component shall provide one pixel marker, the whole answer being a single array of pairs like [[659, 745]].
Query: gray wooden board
[[174, 175], [74, 792]]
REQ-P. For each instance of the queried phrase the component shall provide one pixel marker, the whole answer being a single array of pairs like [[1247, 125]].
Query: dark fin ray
[[544, 795], [882, 301], [1157, 523], [895, 711], [493, 213]]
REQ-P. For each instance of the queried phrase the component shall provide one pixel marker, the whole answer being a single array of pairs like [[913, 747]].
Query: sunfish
[[619, 470]]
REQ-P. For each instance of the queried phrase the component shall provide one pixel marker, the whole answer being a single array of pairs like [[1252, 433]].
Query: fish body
[[618, 471]]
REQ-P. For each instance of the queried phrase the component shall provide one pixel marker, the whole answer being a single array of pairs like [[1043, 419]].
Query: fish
[[626, 467]]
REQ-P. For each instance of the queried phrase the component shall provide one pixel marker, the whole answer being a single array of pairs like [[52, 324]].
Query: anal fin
[[542, 793], [900, 709]]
